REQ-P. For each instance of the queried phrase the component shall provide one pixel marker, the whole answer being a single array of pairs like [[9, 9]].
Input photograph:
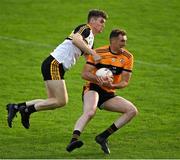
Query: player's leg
[[121, 105], [53, 73], [57, 97], [89, 109]]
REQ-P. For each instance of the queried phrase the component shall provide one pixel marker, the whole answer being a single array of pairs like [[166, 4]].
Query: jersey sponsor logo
[[122, 61], [113, 59]]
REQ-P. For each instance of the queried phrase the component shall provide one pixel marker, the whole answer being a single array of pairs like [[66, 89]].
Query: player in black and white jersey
[[64, 56], [72, 48]]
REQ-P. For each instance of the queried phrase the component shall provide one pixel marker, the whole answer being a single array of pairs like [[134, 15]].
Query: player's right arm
[[78, 41], [88, 75]]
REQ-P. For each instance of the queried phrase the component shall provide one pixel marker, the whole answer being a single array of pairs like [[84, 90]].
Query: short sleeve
[[83, 30], [129, 64]]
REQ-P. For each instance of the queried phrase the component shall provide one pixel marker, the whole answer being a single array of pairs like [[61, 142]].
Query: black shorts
[[51, 69], [103, 95]]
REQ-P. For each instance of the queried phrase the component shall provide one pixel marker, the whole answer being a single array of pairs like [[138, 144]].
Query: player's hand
[[109, 79], [105, 81], [96, 57], [100, 80], [108, 82], [108, 85]]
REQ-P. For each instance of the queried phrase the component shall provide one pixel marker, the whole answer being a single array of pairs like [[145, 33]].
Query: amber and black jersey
[[117, 63]]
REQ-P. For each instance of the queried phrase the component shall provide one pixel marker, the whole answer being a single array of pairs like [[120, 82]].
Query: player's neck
[[93, 29], [115, 50]]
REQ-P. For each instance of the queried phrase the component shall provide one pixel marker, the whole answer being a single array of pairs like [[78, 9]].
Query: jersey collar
[[114, 52], [89, 26]]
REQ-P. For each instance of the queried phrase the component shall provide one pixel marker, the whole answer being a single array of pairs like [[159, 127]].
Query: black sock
[[19, 105], [28, 109], [31, 109], [76, 135], [109, 131]]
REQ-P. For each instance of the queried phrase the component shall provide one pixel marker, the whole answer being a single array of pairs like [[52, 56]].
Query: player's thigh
[[90, 100], [118, 104], [56, 89]]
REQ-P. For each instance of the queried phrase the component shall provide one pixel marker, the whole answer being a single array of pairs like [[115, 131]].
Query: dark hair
[[97, 13], [116, 33]]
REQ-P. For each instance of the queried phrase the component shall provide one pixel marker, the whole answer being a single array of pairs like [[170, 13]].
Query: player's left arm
[[125, 77], [126, 73]]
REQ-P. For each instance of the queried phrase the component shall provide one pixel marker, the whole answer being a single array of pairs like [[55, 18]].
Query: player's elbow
[[125, 84], [122, 85], [83, 75]]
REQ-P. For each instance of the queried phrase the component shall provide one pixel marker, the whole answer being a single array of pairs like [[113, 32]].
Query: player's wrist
[[92, 52]]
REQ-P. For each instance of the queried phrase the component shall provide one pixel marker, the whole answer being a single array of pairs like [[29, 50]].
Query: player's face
[[121, 41], [98, 24], [118, 43]]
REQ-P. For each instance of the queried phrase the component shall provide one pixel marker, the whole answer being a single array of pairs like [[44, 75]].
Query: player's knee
[[90, 114], [132, 111], [61, 102]]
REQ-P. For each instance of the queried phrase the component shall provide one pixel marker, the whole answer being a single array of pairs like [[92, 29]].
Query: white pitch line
[[21, 41], [164, 66]]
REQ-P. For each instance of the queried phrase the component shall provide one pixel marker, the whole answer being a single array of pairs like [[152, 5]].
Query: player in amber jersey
[[64, 56], [117, 63], [100, 92]]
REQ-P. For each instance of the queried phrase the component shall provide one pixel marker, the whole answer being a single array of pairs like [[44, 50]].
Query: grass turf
[[31, 29]]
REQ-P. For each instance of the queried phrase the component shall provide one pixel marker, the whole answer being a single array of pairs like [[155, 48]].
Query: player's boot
[[24, 116], [103, 143], [73, 145], [11, 113]]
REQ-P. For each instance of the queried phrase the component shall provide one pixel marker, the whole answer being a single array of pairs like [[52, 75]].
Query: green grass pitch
[[30, 30]]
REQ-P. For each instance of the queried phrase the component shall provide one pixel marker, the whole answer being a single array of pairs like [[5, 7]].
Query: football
[[104, 72]]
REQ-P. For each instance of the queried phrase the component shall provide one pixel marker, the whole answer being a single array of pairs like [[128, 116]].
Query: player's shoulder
[[103, 49], [126, 53], [82, 27]]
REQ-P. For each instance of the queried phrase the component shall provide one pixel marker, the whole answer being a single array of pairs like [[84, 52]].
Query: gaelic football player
[[79, 42], [99, 92]]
